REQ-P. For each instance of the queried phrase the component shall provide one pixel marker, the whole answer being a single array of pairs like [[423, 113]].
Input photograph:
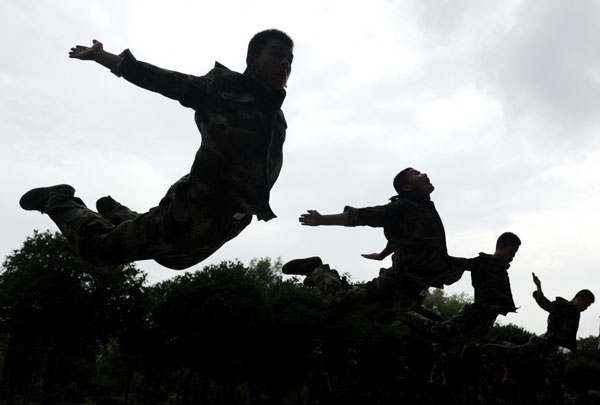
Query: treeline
[[233, 334]]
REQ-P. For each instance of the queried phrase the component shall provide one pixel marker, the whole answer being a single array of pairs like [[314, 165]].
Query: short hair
[[586, 296], [401, 180], [259, 41], [508, 239]]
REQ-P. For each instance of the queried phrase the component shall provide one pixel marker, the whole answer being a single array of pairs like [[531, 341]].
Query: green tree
[[445, 305], [509, 333], [266, 270]]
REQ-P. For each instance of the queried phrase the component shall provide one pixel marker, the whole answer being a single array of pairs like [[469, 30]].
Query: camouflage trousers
[[537, 348], [473, 320], [386, 297], [184, 229]]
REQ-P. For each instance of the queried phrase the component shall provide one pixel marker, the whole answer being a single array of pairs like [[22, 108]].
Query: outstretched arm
[[187, 89], [95, 53], [388, 250], [313, 218]]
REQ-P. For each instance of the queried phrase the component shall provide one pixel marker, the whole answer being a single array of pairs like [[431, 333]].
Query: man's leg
[[114, 211], [73, 218], [473, 320], [333, 292], [378, 296], [178, 233]]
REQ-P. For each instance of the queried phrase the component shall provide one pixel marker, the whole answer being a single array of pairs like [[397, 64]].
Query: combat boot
[[114, 211], [302, 267], [36, 199]]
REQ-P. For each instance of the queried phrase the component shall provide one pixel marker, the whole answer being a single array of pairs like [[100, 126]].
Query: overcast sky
[[497, 101]]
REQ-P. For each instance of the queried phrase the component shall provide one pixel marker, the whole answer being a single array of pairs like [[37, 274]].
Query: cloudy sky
[[497, 101]]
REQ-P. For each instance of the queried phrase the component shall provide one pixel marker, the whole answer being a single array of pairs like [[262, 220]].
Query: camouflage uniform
[[414, 229], [493, 297], [563, 322], [240, 157]]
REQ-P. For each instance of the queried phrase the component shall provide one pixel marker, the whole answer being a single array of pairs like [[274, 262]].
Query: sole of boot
[[301, 267], [35, 199]]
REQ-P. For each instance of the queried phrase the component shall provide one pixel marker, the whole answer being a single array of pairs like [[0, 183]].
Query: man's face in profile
[[274, 64]]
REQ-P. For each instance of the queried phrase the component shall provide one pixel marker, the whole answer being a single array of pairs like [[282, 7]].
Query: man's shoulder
[[400, 202], [480, 260], [233, 85], [492, 261], [219, 65], [223, 72]]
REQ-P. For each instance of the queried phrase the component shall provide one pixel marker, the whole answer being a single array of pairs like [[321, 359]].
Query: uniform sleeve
[[378, 216], [187, 89], [463, 263], [542, 301]]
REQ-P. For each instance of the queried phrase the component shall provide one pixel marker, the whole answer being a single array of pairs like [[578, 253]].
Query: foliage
[[583, 374], [57, 311], [509, 333], [444, 305], [266, 270], [228, 333]]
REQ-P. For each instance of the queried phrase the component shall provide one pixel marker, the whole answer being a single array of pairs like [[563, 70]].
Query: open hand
[[373, 256], [312, 218], [85, 52], [536, 281]]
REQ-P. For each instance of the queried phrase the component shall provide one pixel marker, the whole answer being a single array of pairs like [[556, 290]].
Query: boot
[[36, 199], [302, 267], [114, 211]]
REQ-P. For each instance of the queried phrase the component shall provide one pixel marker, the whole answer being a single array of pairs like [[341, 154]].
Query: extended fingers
[[307, 219], [78, 50]]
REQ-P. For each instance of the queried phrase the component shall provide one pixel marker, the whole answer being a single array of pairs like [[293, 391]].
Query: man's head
[[507, 245], [270, 55], [583, 299], [410, 179]]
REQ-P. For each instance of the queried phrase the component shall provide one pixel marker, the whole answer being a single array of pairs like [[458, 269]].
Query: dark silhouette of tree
[[509, 333], [57, 313], [228, 333]]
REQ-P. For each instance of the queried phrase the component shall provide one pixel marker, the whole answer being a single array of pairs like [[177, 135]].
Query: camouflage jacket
[[414, 230], [242, 128], [489, 277], [563, 320]]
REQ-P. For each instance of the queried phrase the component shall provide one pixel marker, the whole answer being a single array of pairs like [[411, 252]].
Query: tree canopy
[[229, 333]]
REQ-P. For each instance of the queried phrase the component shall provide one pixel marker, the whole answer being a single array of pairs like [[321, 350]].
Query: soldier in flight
[[239, 160], [415, 236], [563, 323], [493, 296]]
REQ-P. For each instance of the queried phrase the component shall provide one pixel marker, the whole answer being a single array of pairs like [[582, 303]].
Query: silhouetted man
[[493, 296], [415, 236], [240, 157]]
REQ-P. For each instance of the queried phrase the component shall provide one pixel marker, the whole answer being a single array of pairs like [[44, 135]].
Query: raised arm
[[538, 284], [313, 218], [538, 295], [97, 54], [388, 250]]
